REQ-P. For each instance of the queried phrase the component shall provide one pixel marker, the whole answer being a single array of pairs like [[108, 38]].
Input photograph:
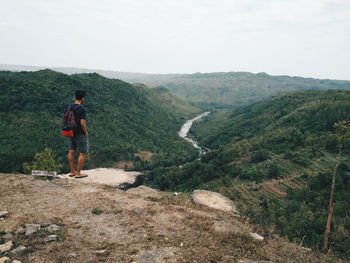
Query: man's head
[[79, 95]]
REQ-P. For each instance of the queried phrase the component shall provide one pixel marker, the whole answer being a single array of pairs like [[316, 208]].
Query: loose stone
[[32, 228], [20, 231], [6, 247], [53, 228], [45, 223], [253, 261], [8, 236], [101, 251], [3, 213], [5, 260], [51, 238], [17, 250], [256, 236]]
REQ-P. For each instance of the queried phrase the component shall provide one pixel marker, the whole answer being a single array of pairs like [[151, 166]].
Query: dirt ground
[[99, 223]]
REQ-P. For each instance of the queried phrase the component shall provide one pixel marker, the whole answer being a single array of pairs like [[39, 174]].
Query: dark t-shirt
[[80, 114]]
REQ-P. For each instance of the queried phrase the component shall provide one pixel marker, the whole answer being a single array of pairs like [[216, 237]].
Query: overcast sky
[[291, 37]]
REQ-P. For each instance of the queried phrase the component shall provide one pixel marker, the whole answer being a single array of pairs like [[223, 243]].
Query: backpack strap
[[70, 107]]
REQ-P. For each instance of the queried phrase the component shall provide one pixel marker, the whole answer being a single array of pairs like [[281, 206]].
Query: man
[[80, 140]]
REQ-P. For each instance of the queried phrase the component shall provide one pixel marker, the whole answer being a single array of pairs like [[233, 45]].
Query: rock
[[7, 236], [256, 236], [137, 211], [155, 256], [6, 247], [20, 231], [137, 182], [51, 238], [17, 250], [53, 228], [144, 191], [110, 176], [3, 213], [5, 260], [100, 252], [32, 228], [16, 261], [45, 223], [253, 261], [213, 200]]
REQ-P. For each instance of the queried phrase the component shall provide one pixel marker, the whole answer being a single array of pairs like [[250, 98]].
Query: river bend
[[186, 128]]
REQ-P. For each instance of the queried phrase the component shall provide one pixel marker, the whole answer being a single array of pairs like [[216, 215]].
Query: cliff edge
[[71, 221]]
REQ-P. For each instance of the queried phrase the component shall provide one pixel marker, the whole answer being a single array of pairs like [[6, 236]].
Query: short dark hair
[[79, 94]]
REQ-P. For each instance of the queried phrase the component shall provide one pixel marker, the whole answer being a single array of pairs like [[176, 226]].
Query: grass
[[97, 211], [117, 211]]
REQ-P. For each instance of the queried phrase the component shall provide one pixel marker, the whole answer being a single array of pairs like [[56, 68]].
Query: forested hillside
[[275, 158], [162, 97], [122, 119], [213, 90], [232, 89]]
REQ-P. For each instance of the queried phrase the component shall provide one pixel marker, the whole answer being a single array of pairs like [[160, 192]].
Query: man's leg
[[83, 148], [81, 160], [71, 161]]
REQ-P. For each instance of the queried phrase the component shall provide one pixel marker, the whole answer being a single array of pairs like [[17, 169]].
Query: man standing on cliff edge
[[80, 140]]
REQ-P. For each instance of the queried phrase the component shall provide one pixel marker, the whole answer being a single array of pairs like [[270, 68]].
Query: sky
[[309, 38]]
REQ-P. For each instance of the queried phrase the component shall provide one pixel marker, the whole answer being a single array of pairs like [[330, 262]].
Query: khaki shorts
[[79, 143]]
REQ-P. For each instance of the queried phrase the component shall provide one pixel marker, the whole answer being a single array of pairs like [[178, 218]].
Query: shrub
[[97, 211], [260, 156], [274, 171], [45, 160]]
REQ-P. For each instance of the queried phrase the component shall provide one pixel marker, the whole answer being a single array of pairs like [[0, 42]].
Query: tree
[[342, 132]]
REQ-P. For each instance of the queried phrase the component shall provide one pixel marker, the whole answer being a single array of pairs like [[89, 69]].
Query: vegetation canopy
[[275, 159], [122, 120]]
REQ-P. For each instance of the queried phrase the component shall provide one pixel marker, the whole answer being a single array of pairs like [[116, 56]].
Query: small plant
[[2, 241], [45, 161], [97, 211]]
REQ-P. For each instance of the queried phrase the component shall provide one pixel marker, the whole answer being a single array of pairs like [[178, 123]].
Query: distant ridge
[[211, 90], [72, 70], [135, 76]]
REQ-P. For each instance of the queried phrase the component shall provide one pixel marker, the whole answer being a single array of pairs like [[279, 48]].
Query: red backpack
[[69, 123]]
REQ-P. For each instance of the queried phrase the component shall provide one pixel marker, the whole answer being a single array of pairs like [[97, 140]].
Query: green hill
[[162, 97], [310, 111], [232, 89], [122, 119], [275, 159], [213, 90]]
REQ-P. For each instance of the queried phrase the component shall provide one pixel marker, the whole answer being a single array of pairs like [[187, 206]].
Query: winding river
[[186, 128]]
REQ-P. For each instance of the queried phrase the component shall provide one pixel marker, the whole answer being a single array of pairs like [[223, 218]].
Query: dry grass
[[131, 225], [144, 155], [124, 165]]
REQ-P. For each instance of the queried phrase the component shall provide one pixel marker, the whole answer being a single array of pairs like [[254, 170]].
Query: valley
[[269, 142]]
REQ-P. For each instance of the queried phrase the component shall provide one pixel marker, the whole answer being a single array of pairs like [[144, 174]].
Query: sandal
[[81, 176], [72, 175]]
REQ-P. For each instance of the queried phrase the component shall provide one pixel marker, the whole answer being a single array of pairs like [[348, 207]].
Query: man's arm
[[83, 126]]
